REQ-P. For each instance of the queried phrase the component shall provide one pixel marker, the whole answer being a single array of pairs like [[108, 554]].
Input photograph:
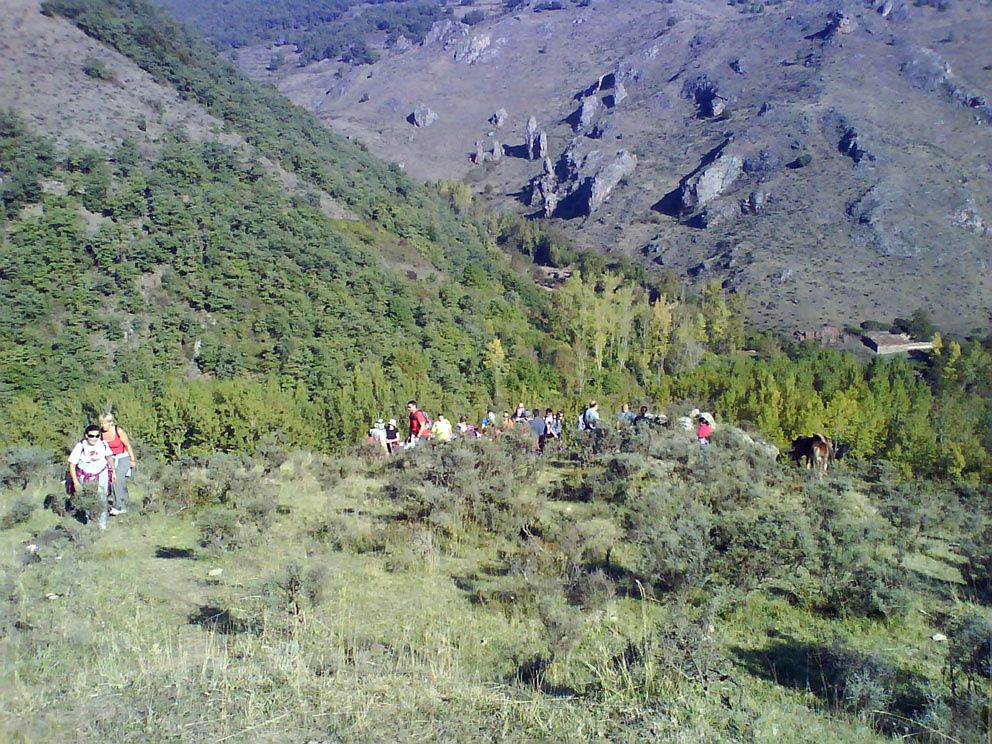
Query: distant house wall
[[894, 343]]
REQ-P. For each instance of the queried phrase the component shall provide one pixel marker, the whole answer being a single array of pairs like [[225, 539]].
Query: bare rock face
[[607, 178], [849, 139], [537, 141], [580, 182], [586, 113], [755, 202], [928, 71], [878, 224], [458, 40], [499, 117], [617, 97], [894, 10], [422, 116], [711, 182], [497, 151], [969, 218]]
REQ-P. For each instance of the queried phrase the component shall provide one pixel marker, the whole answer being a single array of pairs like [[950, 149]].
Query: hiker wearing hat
[[705, 429], [377, 434], [392, 436]]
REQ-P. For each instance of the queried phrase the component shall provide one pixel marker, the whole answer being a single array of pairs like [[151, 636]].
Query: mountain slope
[[848, 181]]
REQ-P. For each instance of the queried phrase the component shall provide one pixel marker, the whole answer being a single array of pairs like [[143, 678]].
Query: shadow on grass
[[843, 679], [220, 620], [532, 673], [170, 553]]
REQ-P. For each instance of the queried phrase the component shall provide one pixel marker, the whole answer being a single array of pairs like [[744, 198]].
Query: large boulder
[[710, 182], [537, 141], [422, 116], [607, 178]]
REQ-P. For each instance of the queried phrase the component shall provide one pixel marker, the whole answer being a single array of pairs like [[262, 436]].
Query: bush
[[456, 484], [473, 17], [969, 651], [672, 531], [20, 464], [97, 68], [977, 567], [20, 511]]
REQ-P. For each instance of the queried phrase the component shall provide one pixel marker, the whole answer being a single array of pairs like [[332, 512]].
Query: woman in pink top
[[124, 460], [704, 431]]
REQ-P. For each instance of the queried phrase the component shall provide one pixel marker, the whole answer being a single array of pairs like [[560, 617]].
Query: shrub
[[473, 17], [295, 589], [454, 484], [672, 530], [20, 511], [97, 68], [20, 464], [977, 567], [969, 651]]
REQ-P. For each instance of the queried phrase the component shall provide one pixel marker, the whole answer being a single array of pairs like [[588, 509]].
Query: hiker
[[420, 424], [539, 428], [92, 461], [642, 417], [557, 424], [124, 461], [392, 436], [521, 414], [441, 430], [466, 429], [626, 417], [377, 434], [489, 424], [589, 422], [590, 417], [705, 429], [549, 428], [505, 423]]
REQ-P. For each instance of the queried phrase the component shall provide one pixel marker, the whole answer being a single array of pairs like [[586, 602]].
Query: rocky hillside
[[827, 158]]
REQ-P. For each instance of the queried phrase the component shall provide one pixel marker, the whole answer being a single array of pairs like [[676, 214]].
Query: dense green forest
[[325, 29], [188, 288]]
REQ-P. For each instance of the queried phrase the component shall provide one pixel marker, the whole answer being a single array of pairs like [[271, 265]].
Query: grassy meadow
[[474, 591]]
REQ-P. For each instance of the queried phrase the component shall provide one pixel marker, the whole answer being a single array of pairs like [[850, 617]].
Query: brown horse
[[816, 450]]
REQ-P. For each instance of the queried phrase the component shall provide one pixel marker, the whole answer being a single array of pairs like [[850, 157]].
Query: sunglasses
[[92, 435]]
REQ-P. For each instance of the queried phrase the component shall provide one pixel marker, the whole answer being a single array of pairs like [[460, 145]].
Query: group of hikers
[[105, 458], [543, 424]]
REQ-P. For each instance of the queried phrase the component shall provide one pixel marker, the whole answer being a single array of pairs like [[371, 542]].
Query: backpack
[[425, 424], [582, 421]]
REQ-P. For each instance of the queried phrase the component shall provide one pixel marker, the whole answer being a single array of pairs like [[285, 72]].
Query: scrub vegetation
[[476, 591]]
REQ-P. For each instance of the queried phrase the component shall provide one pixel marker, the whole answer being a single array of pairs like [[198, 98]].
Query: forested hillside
[[189, 287], [319, 30]]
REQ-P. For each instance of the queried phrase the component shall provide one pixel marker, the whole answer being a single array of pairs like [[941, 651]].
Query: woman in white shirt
[[92, 461]]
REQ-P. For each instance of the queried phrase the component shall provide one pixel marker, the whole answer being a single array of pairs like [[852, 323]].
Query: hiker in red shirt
[[420, 424]]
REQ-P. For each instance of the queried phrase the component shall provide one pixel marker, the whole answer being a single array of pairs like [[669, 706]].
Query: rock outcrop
[[928, 71], [458, 40], [710, 182], [608, 177], [499, 117], [586, 113], [616, 98], [422, 116], [580, 182], [537, 141], [703, 92]]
